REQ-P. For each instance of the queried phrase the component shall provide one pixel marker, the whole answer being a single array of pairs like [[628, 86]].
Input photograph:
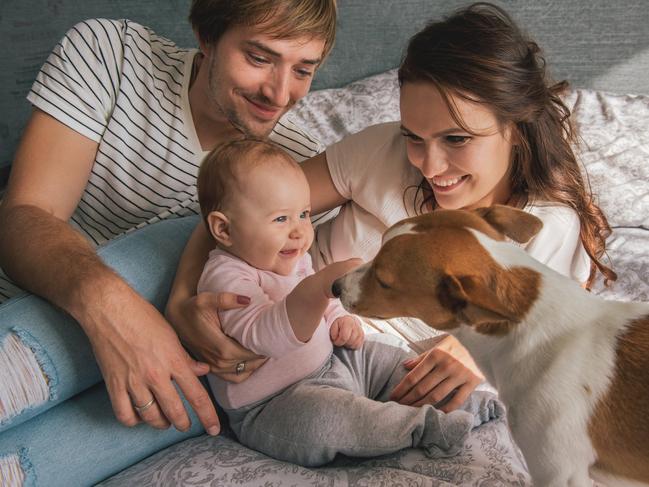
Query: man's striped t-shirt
[[126, 88]]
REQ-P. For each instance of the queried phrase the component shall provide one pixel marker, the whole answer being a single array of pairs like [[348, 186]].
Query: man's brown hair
[[283, 19]]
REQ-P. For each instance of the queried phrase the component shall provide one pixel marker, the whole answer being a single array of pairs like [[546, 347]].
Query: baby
[[310, 400]]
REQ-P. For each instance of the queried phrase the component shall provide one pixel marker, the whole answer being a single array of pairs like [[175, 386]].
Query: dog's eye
[[382, 284], [380, 275]]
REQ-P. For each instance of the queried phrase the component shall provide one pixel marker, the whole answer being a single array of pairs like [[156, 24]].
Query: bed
[[601, 47]]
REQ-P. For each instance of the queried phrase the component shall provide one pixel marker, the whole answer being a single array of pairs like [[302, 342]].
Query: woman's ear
[[513, 134], [219, 225]]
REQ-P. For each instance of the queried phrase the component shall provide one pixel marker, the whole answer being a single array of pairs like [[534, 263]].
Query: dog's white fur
[[550, 397], [396, 230], [533, 371]]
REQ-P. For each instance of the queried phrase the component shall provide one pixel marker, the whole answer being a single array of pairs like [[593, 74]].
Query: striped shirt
[[121, 85]]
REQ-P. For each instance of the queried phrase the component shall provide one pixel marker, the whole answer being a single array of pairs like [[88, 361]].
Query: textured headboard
[[593, 43]]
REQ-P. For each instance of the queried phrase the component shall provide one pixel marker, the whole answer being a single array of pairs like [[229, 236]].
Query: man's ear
[[202, 45], [474, 304], [219, 226], [516, 224]]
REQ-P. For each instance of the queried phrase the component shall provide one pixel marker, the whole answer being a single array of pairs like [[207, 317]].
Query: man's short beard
[[238, 124], [231, 114]]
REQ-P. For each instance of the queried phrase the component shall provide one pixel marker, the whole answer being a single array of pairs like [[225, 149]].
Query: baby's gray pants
[[344, 408]]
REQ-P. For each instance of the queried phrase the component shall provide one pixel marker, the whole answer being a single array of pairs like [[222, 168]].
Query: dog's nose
[[336, 288]]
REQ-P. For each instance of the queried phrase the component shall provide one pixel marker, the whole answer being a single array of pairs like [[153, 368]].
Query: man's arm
[[137, 351]]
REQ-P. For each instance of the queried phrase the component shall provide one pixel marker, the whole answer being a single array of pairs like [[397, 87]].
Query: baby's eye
[[457, 139], [305, 214], [280, 219]]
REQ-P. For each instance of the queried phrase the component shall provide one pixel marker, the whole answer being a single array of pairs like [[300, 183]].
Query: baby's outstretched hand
[[347, 332]]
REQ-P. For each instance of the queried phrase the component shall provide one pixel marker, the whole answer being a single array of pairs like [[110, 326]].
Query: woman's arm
[[188, 273], [434, 374], [324, 195]]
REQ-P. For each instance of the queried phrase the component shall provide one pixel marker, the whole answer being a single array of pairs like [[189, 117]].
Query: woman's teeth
[[447, 182]]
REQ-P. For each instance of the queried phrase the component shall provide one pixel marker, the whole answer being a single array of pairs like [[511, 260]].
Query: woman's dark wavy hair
[[479, 54]]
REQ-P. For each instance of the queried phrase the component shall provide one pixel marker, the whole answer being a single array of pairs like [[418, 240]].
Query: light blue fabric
[[146, 258], [79, 442]]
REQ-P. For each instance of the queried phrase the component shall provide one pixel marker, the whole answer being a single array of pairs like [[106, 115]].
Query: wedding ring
[[241, 366], [141, 409]]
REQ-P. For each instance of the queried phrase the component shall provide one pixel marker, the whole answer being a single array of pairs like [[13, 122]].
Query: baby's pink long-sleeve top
[[264, 328]]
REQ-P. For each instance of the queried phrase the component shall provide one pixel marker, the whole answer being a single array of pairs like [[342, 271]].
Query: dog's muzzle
[[336, 288], [347, 288]]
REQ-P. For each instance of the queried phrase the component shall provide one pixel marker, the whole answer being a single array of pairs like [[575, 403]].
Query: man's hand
[[436, 373], [142, 360], [347, 332], [197, 323]]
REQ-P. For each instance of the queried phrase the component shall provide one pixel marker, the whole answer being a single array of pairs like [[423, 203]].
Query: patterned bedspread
[[615, 152]]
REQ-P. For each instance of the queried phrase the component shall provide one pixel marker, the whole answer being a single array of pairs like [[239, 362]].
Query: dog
[[572, 368]]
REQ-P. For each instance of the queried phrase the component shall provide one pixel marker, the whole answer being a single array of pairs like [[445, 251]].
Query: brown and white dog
[[572, 369]]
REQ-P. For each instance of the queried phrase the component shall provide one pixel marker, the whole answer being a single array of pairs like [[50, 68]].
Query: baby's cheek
[[309, 238]]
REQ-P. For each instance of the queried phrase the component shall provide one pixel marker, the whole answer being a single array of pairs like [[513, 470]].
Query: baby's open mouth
[[289, 253]]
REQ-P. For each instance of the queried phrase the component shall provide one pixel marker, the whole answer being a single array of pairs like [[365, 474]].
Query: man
[[121, 122]]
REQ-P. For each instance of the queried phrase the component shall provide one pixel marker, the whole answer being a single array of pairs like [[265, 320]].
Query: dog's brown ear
[[474, 304], [516, 224]]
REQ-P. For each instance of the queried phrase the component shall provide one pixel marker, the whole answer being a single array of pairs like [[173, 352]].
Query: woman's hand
[[437, 373], [196, 321]]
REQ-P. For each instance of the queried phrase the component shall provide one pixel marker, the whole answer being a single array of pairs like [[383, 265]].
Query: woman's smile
[[446, 184]]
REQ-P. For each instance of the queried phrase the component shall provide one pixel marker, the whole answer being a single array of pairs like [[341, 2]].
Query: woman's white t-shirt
[[372, 171]]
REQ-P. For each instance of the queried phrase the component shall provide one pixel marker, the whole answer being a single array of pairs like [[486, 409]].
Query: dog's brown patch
[[496, 222], [517, 289], [619, 427], [493, 302], [516, 224], [440, 273]]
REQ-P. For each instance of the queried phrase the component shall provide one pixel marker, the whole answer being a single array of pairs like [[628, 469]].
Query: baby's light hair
[[223, 171]]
